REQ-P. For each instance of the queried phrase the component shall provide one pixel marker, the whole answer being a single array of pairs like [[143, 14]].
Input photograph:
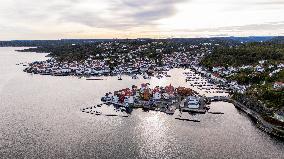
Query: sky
[[62, 19]]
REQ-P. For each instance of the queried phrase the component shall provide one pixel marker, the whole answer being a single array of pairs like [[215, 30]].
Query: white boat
[[119, 77], [135, 77], [145, 76], [159, 76], [168, 75]]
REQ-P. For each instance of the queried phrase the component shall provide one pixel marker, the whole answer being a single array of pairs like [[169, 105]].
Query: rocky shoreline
[[269, 128]]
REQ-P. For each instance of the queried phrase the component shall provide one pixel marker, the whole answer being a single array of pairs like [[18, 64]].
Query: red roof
[[216, 75]]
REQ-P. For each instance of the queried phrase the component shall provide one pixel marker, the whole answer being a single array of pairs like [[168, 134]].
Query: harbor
[[165, 99], [45, 110]]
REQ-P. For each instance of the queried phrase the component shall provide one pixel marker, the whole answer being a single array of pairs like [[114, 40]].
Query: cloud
[[147, 11], [269, 2], [123, 14], [93, 13], [271, 28], [138, 17]]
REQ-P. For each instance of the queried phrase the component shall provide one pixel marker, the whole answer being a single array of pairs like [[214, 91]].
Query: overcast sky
[[57, 19]]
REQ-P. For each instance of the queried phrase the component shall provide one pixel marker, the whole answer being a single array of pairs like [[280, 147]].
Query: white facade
[[129, 100], [278, 85], [259, 69], [192, 102], [115, 99], [157, 96]]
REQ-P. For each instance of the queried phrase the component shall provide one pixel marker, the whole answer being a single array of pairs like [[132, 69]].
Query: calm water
[[40, 117]]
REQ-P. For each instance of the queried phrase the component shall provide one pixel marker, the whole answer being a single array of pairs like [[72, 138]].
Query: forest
[[246, 54]]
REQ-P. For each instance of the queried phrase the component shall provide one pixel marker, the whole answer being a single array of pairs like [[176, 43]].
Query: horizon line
[[202, 37]]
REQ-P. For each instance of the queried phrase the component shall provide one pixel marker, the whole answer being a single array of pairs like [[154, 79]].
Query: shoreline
[[259, 121], [257, 118]]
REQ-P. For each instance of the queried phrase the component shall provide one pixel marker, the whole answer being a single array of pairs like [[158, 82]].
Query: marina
[[168, 99]]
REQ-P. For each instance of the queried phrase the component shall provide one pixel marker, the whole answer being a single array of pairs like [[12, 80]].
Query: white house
[[278, 85], [246, 67], [129, 100], [216, 69], [157, 95], [262, 62], [270, 66], [88, 71], [280, 65], [192, 102], [115, 99], [259, 68]]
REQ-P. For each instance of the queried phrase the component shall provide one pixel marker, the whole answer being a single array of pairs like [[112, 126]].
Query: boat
[[135, 77], [98, 113], [168, 75], [159, 76], [106, 98], [123, 109], [146, 108], [45, 73], [145, 76], [119, 77], [170, 112]]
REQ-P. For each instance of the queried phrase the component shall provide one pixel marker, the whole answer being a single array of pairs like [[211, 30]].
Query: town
[[146, 59], [250, 82]]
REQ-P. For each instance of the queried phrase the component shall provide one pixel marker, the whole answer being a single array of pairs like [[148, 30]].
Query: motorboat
[[135, 77], [119, 77]]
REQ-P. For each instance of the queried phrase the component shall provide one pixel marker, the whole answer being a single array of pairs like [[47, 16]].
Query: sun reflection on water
[[154, 128]]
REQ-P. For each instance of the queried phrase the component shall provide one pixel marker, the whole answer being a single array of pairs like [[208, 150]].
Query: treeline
[[246, 54], [265, 93], [153, 49]]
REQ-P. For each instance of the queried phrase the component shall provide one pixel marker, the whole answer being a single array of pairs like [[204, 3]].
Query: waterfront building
[[192, 102]]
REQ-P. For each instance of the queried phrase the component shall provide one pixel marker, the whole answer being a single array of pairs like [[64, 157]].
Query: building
[[192, 102], [157, 93], [278, 85], [259, 69]]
